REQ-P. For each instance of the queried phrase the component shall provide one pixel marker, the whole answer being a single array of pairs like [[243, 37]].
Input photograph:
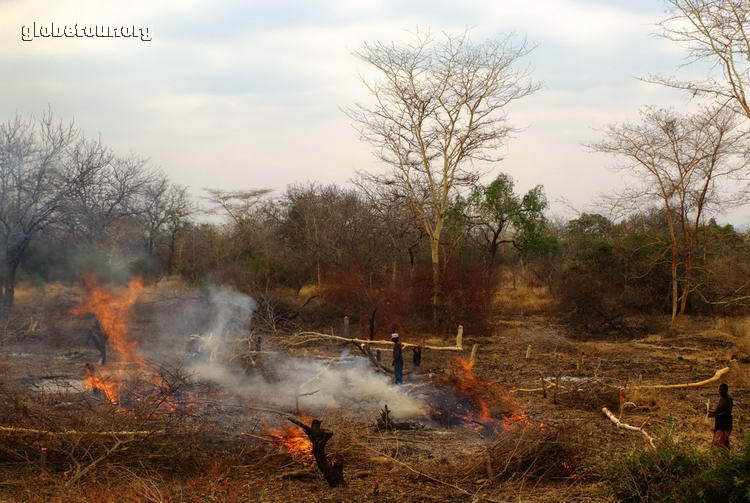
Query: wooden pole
[[473, 357]]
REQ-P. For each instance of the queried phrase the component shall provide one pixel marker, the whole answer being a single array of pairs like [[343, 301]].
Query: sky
[[238, 94]]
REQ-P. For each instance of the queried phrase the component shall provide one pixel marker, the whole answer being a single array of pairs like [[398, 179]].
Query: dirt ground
[[230, 461]]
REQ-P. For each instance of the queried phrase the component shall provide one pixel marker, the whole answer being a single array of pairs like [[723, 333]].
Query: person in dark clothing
[[723, 415], [398, 358]]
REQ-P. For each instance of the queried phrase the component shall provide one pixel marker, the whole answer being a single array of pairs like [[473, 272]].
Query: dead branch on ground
[[626, 426]]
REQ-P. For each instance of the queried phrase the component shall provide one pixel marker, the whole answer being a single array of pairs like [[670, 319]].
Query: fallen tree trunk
[[719, 373], [32, 431], [305, 337], [626, 426]]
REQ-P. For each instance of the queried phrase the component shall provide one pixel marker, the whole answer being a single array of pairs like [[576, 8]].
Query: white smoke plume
[[314, 385]]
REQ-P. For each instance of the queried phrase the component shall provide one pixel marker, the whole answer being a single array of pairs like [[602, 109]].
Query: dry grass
[[524, 301], [520, 295]]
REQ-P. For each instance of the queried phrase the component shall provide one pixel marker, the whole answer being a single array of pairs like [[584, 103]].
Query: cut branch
[[719, 373], [626, 426]]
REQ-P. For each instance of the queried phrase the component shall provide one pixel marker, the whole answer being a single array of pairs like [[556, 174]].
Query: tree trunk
[[9, 285], [673, 245], [688, 277], [675, 290], [435, 249]]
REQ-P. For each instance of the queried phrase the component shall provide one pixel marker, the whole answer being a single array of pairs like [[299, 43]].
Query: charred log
[[385, 423], [333, 471], [98, 338]]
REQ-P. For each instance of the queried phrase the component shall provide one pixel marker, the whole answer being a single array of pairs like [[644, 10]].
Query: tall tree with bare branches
[[685, 163], [716, 32], [439, 108], [42, 162]]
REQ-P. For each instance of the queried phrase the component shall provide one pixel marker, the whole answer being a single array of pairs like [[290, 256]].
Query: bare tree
[[684, 163], [109, 195], [236, 204], [439, 105], [399, 226], [718, 32], [165, 207], [37, 176]]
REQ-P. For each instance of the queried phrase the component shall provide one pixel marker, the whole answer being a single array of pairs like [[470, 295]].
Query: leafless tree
[[165, 208], [717, 32], [38, 172], [439, 106], [398, 224], [685, 163], [236, 204], [108, 195]]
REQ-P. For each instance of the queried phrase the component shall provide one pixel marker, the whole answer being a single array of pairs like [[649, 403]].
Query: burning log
[[98, 338], [333, 472]]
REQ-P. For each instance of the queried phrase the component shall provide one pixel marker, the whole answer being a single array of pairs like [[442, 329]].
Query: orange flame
[[108, 387], [476, 398], [293, 440], [113, 312]]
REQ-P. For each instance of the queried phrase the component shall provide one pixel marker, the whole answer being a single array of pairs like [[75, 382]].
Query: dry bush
[[532, 452], [74, 437], [739, 329], [524, 301], [467, 298]]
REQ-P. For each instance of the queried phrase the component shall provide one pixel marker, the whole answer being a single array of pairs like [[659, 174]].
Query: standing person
[[723, 415], [398, 358]]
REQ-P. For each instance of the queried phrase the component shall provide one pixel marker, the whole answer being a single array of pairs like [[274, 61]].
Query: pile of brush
[[534, 451]]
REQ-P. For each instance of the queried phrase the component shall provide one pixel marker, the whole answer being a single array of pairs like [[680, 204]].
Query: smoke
[[348, 383]]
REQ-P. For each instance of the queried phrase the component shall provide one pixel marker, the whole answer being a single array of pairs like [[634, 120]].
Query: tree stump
[[333, 472]]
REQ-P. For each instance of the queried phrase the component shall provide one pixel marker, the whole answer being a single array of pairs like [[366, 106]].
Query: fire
[[471, 401], [109, 388], [293, 440], [113, 312]]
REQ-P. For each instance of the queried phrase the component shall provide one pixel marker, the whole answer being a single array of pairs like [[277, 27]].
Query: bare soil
[[222, 456]]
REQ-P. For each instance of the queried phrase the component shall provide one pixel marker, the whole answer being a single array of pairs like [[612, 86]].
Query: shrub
[[728, 479], [677, 471], [670, 473]]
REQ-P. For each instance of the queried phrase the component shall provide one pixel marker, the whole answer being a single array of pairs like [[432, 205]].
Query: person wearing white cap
[[398, 358]]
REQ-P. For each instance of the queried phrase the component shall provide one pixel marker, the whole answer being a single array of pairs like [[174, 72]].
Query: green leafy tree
[[503, 217]]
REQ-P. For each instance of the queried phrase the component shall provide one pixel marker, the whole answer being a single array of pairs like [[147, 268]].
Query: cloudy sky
[[241, 94]]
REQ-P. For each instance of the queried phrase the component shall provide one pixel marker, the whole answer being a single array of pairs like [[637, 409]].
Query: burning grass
[[293, 440], [462, 398]]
